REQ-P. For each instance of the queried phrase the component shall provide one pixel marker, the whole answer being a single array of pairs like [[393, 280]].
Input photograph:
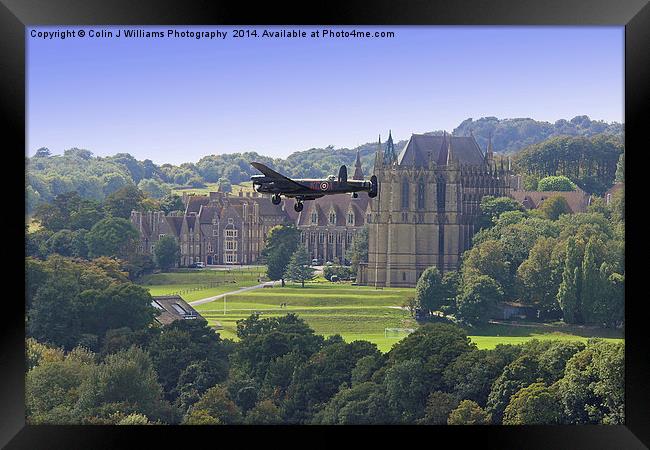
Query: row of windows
[[421, 195], [332, 218], [330, 238]]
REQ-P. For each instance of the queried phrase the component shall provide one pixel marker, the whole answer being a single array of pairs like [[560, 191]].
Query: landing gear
[[275, 199], [298, 206]]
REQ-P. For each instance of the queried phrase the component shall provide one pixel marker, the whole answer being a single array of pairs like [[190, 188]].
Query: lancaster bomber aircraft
[[304, 189]]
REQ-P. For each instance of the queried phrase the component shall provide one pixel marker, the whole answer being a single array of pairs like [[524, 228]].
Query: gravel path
[[238, 291]]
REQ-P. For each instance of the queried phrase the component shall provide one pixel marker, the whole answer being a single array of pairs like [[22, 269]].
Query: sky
[[177, 99]]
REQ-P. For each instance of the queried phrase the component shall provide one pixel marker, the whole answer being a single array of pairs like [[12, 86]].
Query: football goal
[[397, 332]]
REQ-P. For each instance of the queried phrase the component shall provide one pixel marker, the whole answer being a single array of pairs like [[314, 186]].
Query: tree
[[554, 206], [87, 214], [125, 383], [200, 344], [468, 413], [51, 389], [609, 307], [264, 413], [42, 152], [556, 183], [434, 346], [171, 202], [217, 404], [478, 297], [299, 269], [153, 188], [362, 404], [407, 389], [592, 285], [119, 305], [439, 406], [568, 295], [593, 387], [536, 404], [487, 258], [537, 277], [112, 236], [429, 292], [67, 243], [321, 377], [120, 203], [620, 169], [263, 341], [471, 375], [196, 182], [492, 207], [167, 252], [520, 373], [281, 243], [134, 419], [358, 252], [224, 185]]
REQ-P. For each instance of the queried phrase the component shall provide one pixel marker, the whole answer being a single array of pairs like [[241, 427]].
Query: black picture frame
[[16, 15]]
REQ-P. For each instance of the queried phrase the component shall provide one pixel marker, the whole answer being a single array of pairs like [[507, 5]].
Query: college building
[[225, 228], [427, 209]]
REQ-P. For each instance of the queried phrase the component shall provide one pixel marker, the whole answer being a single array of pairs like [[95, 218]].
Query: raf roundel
[[324, 186]]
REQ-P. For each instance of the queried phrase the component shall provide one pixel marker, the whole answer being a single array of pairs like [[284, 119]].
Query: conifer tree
[[299, 269], [568, 295], [591, 282]]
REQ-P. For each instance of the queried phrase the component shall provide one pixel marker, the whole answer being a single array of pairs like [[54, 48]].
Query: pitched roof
[[577, 200], [207, 213], [194, 203], [175, 223], [172, 308], [340, 204], [421, 147]]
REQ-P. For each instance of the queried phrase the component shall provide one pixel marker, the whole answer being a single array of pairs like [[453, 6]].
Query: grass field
[[245, 186], [354, 312], [195, 284]]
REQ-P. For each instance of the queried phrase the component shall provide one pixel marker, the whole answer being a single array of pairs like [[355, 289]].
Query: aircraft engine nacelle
[[343, 174], [374, 187]]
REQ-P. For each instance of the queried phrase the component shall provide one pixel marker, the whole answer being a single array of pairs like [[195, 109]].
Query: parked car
[[200, 265], [315, 262]]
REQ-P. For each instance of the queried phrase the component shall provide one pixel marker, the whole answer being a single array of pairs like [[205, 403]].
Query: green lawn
[[205, 276], [354, 312], [195, 284]]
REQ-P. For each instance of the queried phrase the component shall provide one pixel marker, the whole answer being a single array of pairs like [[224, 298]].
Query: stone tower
[[358, 172], [427, 208]]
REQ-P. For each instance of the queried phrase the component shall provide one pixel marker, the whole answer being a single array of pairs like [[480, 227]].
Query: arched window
[[405, 194], [440, 188], [421, 190], [350, 218], [332, 217]]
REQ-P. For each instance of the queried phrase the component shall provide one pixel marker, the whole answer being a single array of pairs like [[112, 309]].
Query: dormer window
[[314, 217], [350, 218], [332, 217]]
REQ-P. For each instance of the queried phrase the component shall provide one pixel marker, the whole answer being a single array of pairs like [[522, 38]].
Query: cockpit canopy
[[331, 178]]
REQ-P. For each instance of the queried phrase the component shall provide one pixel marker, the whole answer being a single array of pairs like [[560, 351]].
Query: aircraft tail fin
[[343, 174]]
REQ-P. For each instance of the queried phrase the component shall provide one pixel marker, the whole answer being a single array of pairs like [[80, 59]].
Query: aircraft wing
[[282, 182]]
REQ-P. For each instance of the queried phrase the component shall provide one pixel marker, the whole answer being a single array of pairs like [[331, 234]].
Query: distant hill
[[95, 177], [511, 135]]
